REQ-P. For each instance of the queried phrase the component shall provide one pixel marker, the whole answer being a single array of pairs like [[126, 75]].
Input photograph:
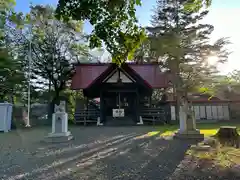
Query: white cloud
[[225, 22]]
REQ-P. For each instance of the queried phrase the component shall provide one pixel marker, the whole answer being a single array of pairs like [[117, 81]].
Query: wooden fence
[[207, 112]]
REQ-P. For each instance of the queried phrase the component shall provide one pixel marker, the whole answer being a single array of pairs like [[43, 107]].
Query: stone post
[[187, 124]]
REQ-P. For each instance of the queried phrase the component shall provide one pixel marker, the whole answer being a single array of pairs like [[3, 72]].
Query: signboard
[[118, 112]]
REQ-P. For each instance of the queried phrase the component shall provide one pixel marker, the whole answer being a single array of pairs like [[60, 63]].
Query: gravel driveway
[[96, 153]]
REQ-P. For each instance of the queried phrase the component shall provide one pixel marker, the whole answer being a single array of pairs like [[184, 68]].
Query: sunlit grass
[[149, 134], [222, 155], [208, 132], [208, 129], [153, 133], [168, 133]]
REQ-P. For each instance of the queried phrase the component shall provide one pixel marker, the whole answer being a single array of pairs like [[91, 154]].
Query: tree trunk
[[1, 98], [177, 91], [49, 100], [178, 105], [227, 132], [191, 125], [12, 96], [52, 103], [228, 135]]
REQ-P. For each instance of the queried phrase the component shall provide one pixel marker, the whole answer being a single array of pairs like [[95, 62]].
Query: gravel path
[[96, 153]]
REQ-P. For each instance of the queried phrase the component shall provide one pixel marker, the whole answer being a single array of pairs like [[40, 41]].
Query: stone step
[[125, 121]]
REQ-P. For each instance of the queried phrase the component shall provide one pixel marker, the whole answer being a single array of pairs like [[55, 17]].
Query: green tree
[[11, 78], [11, 74], [182, 43], [114, 23], [71, 98], [196, 5], [55, 47], [234, 77]]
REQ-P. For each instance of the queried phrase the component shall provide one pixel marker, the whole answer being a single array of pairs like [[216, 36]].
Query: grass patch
[[221, 156], [149, 134], [167, 133], [153, 133], [208, 129], [208, 132]]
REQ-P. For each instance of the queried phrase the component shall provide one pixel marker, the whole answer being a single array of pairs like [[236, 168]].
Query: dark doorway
[[120, 100]]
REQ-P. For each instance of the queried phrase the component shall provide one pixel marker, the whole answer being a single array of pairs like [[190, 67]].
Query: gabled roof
[[86, 74], [130, 72]]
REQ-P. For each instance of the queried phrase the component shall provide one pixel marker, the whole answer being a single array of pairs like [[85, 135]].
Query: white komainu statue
[[60, 131], [60, 107]]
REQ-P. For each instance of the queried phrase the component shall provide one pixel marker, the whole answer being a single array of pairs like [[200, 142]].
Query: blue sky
[[223, 15]]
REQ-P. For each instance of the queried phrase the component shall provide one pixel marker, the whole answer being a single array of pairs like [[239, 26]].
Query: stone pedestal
[[99, 122], [60, 131], [141, 121], [187, 127]]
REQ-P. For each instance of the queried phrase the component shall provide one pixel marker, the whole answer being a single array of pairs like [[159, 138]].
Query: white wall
[[114, 78], [207, 112]]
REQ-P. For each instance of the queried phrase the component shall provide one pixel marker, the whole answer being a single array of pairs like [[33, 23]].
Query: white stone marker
[[187, 125], [99, 122], [141, 121], [60, 131]]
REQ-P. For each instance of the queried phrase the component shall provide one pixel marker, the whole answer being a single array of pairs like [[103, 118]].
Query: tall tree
[[196, 5], [182, 43], [54, 47], [11, 76], [114, 23]]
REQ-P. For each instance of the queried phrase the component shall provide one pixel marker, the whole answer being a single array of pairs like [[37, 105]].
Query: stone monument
[[187, 124], [60, 131]]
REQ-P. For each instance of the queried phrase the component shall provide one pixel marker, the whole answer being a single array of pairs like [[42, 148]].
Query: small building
[[205, 108], [122, 95], [122, 90]]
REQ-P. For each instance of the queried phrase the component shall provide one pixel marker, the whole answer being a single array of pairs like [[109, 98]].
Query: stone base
[[141, 121], [58, 137], [99, 122], [191, 134], [201, 147]]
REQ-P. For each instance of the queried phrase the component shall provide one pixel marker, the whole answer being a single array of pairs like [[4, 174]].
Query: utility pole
[[177, 66], [29, 78], [29, 83]]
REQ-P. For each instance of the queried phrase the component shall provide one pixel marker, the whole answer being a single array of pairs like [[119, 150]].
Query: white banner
[[118, 112]]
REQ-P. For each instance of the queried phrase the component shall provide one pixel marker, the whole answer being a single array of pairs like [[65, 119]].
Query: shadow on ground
[[203, 169], [106, 153]]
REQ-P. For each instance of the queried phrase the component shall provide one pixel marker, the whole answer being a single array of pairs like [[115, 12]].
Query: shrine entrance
[[119, 100], [122, 94], [120, 105], [119, 89]]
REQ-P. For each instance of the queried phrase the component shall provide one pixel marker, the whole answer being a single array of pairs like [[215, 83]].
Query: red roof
[[152, 74], [87, 73]]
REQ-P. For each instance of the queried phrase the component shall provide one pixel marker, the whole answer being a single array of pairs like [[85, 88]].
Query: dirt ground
[[98, 153]]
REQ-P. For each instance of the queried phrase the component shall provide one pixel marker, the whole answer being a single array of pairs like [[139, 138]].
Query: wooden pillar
[[150, 101], [101, 107], [230, 117], [137, 106], [86, 111]]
